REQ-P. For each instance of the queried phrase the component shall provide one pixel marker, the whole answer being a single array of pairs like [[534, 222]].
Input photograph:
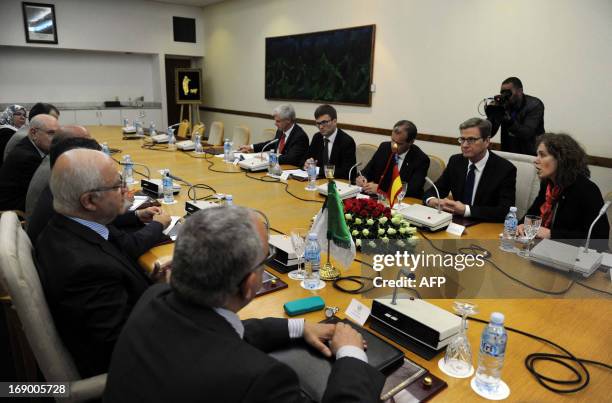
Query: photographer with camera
[[520, 116]]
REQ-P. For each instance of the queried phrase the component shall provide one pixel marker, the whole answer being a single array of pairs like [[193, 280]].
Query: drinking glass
[[531, 225], [298, 241], [402, 194], [329, 171], [458, 357]]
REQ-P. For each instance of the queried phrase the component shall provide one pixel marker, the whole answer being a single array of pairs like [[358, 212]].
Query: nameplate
[[357, 312], [455, 229], [284, 177]]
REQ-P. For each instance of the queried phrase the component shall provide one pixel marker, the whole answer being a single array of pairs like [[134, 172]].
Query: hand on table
[[163, 218], [245, 149], [345, 335], [146, 215], [316, 334], [452, 206]]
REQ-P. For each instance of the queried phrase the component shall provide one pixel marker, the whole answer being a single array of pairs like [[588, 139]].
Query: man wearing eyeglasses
[[90, 284], [482, 183], [23, 160], [331, 146], [412, 162], [185, 341]]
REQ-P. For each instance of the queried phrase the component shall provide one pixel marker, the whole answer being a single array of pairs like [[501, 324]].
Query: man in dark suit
[[482, 183], [291, 140], [22, 162], [413, 162], [186, 343], [331, 146], [90, 283], [520, 116]]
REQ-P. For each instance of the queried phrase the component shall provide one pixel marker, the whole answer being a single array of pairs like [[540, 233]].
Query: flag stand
[[329, 272]]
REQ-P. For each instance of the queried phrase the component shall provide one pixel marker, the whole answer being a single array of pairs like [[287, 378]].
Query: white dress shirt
[[331, 139], [477, 174]]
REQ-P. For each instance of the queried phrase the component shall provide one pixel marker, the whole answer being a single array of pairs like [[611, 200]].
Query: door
[[172, 107]]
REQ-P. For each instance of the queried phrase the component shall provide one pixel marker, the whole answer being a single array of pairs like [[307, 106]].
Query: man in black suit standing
[[291, 140], [185, 342], [413, 163], [90, 283], [23, 161], [331, 146], [482, 183]]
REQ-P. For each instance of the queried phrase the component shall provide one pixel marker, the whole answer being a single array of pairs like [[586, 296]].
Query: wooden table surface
[[579, 320]]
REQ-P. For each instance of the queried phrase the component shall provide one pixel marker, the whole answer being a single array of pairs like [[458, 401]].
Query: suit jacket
[[16, 173], [15, 138], [577, 207], [342, 153], [413, 170], [518, 134], [133, 243], [39, 181], [496, 190], [91, 287], [6, 134], [171, 350], [295, 147]]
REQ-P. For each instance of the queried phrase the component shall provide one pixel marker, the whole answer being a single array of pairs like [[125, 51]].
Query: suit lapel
[[485, 178], [333, 158], [462, 174]]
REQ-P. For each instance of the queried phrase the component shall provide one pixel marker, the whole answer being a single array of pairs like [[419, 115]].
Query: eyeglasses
[[49, 132], [121, 185], [323, 122], [469, 140]]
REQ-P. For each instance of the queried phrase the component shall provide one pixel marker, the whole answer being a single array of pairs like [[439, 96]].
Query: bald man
[[89, 282], [20, 165]]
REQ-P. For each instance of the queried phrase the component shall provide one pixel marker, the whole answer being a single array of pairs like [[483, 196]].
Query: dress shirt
[[286, 134], [330, 145], [477, 174], [92, 225], [296, 330], [400, 159]]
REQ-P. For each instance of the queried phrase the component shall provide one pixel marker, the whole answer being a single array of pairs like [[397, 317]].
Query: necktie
[[325, 159], [281, 144], [468, 190]]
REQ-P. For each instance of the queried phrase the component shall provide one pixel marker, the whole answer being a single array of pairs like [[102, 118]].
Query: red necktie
[[281, 145]]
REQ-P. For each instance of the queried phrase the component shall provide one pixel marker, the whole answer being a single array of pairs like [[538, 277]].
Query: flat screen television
[[330, 66]]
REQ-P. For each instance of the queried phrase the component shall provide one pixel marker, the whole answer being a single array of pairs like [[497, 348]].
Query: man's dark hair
[[42, 108], [326, 110], [483, 125], [571, 157], [60, 145], [409, 127], [515, 81]]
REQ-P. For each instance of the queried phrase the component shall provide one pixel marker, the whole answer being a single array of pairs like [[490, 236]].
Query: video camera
[[503, 98]]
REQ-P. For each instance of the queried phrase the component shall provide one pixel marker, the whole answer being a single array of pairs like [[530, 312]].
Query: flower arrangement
[[373, 226]]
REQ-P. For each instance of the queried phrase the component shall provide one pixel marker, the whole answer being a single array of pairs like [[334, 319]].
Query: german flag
[[390, 183]]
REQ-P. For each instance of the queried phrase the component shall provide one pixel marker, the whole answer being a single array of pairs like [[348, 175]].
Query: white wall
[[88, 26], [434, 61], [56, 75]]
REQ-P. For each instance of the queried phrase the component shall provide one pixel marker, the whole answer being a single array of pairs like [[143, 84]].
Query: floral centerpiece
[[374, 227]]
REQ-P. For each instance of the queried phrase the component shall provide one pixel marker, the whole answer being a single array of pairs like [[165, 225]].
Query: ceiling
[[197, 3]]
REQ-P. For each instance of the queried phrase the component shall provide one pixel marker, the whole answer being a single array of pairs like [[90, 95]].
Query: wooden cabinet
[[110, 117], [144, 115]]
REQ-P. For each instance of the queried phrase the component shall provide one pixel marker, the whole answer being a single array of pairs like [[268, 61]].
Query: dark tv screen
[[330, 66]]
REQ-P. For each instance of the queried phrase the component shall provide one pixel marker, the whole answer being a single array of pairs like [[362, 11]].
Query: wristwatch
[[330, 311]]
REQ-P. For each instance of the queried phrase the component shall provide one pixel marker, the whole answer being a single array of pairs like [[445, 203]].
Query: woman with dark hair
[[568, 201], [11, 119]]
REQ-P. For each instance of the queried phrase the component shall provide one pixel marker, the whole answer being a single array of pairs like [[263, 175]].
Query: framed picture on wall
[[188, 86], [39, 22]]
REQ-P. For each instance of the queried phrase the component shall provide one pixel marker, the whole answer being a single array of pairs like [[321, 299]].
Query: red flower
[[363, 213], [376, 213]]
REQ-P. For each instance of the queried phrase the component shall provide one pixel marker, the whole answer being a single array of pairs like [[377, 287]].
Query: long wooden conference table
[[580, 320]]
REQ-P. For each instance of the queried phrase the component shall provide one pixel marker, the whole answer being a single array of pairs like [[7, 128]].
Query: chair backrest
[[268, 134], [364, 154], [527, 180], [436, 167], [39, 182], [215, 137], [200, 128], [609, 197], [184, 128], [242, 136], [20, 277]]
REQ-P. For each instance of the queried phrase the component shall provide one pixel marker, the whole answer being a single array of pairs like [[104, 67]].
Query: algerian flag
[[330, 225]]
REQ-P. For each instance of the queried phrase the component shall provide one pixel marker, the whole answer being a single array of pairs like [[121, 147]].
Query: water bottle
[[311, 169], [227, 150], [139, 129], [312, 257], [229, 200], [509, 235], [167, 187], [105, 149], [171, 140], [492, 352], [198, 144], [273, 166], [128, 170], [152, 131]]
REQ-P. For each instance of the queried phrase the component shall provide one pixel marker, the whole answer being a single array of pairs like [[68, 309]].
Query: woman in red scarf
[[568, 200]]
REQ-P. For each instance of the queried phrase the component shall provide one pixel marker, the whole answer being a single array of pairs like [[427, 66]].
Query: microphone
[[148, 175], [266, 145], [176, 178], [351, 170], [401, 271], [436, 189], [602, 211]]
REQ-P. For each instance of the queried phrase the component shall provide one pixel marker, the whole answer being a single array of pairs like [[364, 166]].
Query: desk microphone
[[176, 178], [436, 189], [602, 211], [351, 170], [409, 275], [266, 145]]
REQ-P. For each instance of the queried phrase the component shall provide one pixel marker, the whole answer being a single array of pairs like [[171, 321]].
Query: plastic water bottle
[[105, 149], [492, 353], [167, 188], [128, 170], [139, 129], [229, 200], [152, 130], [198, 144], [126, 122], [273, 166], [312, 257], [227, 150], [171, 140], [509, 235], [311, 169]]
